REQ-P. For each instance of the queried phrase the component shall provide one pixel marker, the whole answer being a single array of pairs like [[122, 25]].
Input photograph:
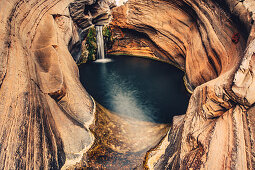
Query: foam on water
[[105, 60]]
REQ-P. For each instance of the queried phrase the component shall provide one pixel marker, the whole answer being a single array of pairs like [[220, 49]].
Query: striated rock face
[[87, 13], [45, 112], [48, 120], [213, 42], [193, 35]]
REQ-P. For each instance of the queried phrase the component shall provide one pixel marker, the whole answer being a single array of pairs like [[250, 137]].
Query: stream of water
[[100, 42]]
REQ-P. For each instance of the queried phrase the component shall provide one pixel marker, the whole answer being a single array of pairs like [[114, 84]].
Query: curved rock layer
[[195, 36], [213, 42], [48, 120], [86, 13], [43, 106]]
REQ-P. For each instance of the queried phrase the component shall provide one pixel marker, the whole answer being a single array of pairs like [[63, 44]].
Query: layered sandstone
[[192, 35], [48, 120], [45, 112], [213, 42]]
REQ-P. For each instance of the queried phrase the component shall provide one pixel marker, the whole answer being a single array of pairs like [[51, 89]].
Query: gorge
[[50, 121]]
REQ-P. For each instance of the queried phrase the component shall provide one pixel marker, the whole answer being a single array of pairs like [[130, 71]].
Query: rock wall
[[43, 106], [213, 42], [192, 35]]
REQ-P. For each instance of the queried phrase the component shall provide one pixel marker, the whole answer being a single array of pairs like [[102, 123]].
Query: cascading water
[[100, 42], [100, 45]]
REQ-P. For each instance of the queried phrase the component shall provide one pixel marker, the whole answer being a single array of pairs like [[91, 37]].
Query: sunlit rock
[[49, 121], [213, 42]]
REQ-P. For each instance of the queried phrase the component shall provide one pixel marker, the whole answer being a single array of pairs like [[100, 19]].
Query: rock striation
[[192, 35], [43, 106], [48, 120], [91, 12], [213, 42]]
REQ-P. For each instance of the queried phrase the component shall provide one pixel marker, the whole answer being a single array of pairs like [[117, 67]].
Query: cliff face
[[195, 36], [43, 106], [213, 42], [48, 120], [88, 12]]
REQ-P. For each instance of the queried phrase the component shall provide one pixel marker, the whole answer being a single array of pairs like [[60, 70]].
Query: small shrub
[[108, 37], [89, 45]]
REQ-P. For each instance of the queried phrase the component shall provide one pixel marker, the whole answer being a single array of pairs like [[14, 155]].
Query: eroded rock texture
[[213, 42], [48, 120], [193, 35], [45, 112], [87, 13]]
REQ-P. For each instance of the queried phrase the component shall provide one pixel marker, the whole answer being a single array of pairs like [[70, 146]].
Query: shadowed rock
[[87, 13]]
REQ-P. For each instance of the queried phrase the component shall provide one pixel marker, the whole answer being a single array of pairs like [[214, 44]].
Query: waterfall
[[100, 42], [100, 46]]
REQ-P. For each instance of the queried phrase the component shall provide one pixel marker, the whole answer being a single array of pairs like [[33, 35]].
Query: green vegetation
[[108, 37], [89, 45]]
